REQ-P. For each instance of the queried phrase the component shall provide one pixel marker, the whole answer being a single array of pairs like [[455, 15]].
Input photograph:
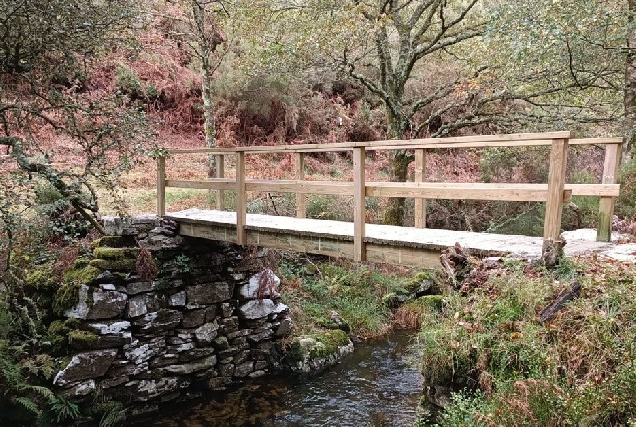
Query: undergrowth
[[509, 369], [346, 296]]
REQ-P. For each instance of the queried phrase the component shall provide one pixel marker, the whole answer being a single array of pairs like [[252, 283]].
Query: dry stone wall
[[210, 317]]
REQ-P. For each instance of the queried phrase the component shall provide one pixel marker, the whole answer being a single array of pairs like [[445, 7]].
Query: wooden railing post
[[556, 183], [606, 205], [161, 186], [359, 205], [241, 204], [301, 198], [420, 204], [220, 173]]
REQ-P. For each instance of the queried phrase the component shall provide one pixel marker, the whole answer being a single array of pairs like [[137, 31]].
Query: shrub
[[127, 83]]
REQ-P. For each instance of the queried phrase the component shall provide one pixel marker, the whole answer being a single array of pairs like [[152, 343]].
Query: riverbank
[[501, 350]]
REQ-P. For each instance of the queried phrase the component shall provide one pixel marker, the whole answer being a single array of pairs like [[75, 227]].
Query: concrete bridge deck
[[384, 243]]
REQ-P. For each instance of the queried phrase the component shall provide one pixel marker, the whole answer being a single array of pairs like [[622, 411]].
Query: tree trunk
[[205, 50], [629, 101], [208, 114], [398, 172], [398, 168]]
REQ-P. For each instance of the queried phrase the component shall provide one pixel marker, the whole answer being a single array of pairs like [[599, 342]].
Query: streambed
[[375, 386]]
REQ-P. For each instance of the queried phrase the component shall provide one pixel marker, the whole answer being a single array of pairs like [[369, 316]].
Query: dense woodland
[[91, 90]]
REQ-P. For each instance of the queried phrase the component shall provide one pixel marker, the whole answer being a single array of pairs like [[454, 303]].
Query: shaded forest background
[[88, 90]]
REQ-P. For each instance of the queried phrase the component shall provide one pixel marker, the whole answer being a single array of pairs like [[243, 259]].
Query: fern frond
[[41, 390], [29, 405], [113, 417]]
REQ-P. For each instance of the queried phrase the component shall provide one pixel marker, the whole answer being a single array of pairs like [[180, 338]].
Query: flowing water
[[375, 386]]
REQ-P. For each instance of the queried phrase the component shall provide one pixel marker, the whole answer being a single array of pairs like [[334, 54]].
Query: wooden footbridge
[[380, 243]]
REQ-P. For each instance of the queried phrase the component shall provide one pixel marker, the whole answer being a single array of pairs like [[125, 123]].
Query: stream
[[374, 386]]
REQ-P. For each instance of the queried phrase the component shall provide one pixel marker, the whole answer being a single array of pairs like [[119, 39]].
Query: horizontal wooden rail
[[487, 141], [472, 191], [429, 190], [554, 193]]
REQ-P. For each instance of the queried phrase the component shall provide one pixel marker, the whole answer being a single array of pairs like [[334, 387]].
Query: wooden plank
[[596, 141], [459, 191], [606, 204], [359, 205], [603, 190], [482, 141], [395, 144], [209, 184], [453, 145], [210, 232], [339, 188], [413, 257], [301, 243], [220, 174], [420, 204], [161, 186], [301, 198], [241, 199], [556, 183]]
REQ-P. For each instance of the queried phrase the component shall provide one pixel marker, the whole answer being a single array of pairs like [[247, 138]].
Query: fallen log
[[559, 301]]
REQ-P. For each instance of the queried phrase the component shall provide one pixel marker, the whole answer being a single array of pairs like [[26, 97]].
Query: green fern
[[41, 390], [28, 404], [114, 415], [63, 409]]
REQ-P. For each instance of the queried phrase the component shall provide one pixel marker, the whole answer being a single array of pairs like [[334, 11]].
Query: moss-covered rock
[[310, 354], [111, 264], [82, 338], [333, 339], [394, 299], [56, 336], [42, 280], [116, 254], [84, 275], [66, 297]]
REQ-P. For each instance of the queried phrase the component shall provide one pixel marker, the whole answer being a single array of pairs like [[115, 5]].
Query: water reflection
[[375, 386]]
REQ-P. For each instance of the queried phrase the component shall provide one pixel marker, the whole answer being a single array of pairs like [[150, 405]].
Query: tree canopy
[[48, 109]]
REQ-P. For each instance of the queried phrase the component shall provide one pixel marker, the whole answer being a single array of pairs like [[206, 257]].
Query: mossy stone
[[394, 299], [82, 275], [333, 339], [42, 280], [56, 336], [326, 344], [72, 323], [116, 254], [57, 327], [110, 264], [66, 297], [82, 337]]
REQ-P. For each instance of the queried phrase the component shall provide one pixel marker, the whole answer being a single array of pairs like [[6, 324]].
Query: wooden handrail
[[554, 193], [489, 141]]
